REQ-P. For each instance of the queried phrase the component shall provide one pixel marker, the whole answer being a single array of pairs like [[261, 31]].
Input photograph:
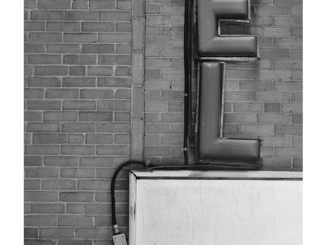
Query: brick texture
[[80, 60], [77, 92]]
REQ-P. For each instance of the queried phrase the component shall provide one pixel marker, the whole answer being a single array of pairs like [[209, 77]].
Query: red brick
[[292, 107], [114, 59], [59, 184], [113, 150], [60, 161], [96, 94], [76, 196], [114, 105], [80, 4], [95, 116], [76, 138], [54, 4], [157, 150], [42, 150], [75, 220], [60, 116], [62, 93], [98, 48], [172, 139], [78, 127], [77, 173], [82, 59], [172, 117], [40, 220], [77, 150], [49, 138], [47, 208], [80, 38], [122, 94], [157, 128], [114, 82], [78, 82], [56, 233], [99, 139], [124, 5], [40, 196], [123, 27], [101, 4]]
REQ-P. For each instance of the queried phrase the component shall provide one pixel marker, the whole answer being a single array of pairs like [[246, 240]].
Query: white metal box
[[215, 208]]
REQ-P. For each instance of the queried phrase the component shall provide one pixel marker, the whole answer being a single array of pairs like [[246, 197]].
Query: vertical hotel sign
[[212, 52]]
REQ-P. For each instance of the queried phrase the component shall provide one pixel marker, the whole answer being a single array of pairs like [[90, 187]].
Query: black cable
[[185, 52], [114, 219]]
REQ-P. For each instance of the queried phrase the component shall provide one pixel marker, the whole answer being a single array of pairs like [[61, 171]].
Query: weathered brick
[[45, 37], [247, 107], [78, 127], [79, 105], [82, 59], [80, 38], [95, 116], [292, 107], [60, 116], [272, 10], [61, 93], [56, 233], [63, 48], [272, 107], [53, 4], [78, 82], [297, 118], [75, 220], [41, 196], [113, 150], [273, 96], [288, 152], [288, 129], [42, 150], [32, 161], [47, 208], [40, 220], [77, 150], [63, 26], [240, 118], [277, 32], [240, 96], [77, 173], [257, 129], [49, 138], [115, 16], [76, 196], [60, 161], [47, 15], [288, 86], [81, 15], [59, 184], [296, 96], [288, 43], [274, 118], [51, 70], [43, 127], [96, 162]]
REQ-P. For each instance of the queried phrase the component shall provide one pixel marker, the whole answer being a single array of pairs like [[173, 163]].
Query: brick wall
[[262, 99], [79, 115]]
